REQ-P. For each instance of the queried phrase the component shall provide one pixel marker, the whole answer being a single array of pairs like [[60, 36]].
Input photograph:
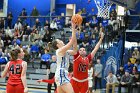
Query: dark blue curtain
[[111, 60]]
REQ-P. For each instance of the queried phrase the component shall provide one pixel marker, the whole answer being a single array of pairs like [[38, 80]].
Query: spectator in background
[[14, 45], [92, 13], [18, 25], [79, 11], [26, 54], [52, 69], [16, 40], [53, 13], [133, 59], [34, 52], [53, 25], [37, 24], [7, 40], [35, 12], [1, 23], [137, 64], [7, 54], [1, 52], [84, 14], [126, 81], [2, 42], [8, 32], [45, 59], [105, 22], [111, 22], [23, 13], [40, 43], [128, 67], [16, 32], [26, 34], [120, 72], [111, 82], [3, 59], [47, 25], [93, 22], [9, 19], [59, 23], [136, 82], [136, 53], [47, 36], [80, 36], [134, 70], [126, 17], [113, 14], [98, 73], [36, 35]]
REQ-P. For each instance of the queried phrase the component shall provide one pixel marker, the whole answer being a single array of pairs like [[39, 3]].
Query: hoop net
[[103, 9]]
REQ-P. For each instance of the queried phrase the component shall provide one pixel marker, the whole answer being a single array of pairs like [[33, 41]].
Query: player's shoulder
[[24, 63]]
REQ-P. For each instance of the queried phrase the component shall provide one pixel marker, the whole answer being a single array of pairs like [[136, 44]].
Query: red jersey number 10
[[15, 71]]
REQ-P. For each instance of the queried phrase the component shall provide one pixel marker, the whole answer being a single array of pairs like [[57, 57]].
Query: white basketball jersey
[[62, 66]]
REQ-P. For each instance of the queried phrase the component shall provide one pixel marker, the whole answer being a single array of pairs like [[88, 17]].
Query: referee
[[52, 69]]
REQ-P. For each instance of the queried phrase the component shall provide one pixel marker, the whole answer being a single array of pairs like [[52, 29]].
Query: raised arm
[[70, 43], [74, 50], [97, 45]]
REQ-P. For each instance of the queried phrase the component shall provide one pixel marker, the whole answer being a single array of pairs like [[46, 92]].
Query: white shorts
[[90, 82], [61, 78]]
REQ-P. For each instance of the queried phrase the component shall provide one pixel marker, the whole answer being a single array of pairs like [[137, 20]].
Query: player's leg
[[10, 88], [75, 86], [60, 90], [84, 89], [67, 88], [19, 88]]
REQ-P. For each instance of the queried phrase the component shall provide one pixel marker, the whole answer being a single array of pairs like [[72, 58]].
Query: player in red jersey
[[79, 80], [16, 68]]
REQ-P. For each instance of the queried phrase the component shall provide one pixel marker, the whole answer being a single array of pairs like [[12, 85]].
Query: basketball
[[77, 19]]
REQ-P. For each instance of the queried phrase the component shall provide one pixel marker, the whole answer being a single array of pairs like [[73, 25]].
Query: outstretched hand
[[39, 80], [26, 90]]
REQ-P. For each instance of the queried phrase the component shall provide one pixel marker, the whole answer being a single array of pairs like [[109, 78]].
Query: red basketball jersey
[[15, 69], [80, 66]]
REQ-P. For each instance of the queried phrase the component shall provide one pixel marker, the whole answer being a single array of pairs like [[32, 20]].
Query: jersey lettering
[[15, 71], [82, 67]]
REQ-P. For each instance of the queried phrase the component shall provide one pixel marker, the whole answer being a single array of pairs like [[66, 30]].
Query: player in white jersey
[[90, 77], [62, 53]]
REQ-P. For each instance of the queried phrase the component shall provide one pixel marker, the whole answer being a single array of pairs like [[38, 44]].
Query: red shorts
[[14, 88], [79, 87]]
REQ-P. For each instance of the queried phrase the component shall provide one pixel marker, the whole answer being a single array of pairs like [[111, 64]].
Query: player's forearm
[[98, 44], [75, 44], [23, 78], [73, 35], [2, 76], [96, 47]]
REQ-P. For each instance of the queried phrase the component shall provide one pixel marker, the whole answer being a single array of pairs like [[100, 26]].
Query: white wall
[[5, 7], [70, 10]]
